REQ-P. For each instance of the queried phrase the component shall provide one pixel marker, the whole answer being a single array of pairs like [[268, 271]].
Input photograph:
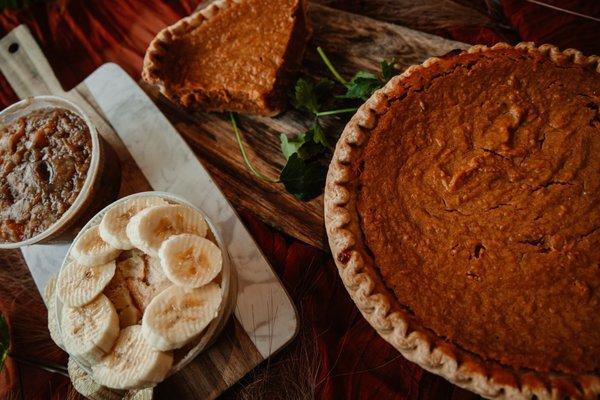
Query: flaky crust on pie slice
[[377, 302], [243, 65]]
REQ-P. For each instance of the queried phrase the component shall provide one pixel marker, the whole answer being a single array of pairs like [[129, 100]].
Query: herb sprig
[[249, 165], [306, 163]]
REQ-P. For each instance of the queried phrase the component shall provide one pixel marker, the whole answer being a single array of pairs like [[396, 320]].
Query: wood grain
[[353, 42], [218, 369]]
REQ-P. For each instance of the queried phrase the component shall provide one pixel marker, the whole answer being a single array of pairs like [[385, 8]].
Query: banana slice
[[150, 227], [143, 277], [78, 285], [91, 250], [133, 363], [118, 293], [90, 389], [113, 224], [87, 387], [49, 289], [190, 260], [50, 299], [89, 332], [178, 315]]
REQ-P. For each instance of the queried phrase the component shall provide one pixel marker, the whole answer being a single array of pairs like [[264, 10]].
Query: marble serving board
[[153, 156]]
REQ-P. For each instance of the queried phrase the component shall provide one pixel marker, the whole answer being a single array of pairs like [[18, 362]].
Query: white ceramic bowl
[[228, 284]]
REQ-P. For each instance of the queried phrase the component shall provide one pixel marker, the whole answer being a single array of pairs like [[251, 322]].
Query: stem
[[335, 112], [331, 67], [249, 165]]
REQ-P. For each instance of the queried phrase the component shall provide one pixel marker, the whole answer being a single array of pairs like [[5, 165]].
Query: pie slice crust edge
[[273, 104]]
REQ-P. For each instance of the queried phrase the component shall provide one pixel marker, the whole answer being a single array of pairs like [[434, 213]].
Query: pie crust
[[379, 305], [231, 95]]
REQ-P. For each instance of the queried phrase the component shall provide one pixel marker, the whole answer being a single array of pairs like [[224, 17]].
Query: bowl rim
[[57, 102], [227, 274]]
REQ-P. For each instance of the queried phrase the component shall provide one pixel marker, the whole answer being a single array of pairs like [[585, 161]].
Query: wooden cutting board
[[154, 157], [353, 43]]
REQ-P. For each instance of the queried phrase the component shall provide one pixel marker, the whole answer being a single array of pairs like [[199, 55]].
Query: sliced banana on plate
[[190, 260], [90, 249], [78, 284], [50, 299], [118, 293], [143, 277], [178, 315], [114, 223], [137, 286], [89, 332], [132, 362], [150, 227]]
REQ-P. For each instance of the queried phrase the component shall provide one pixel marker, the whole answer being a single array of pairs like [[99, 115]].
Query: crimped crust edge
[[379, 306]]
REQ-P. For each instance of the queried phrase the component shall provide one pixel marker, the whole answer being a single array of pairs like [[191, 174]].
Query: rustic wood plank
[[437, 17], [353, 42], [217, 369]]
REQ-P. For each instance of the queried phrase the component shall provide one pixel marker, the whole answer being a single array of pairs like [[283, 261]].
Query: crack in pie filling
[[481, 230]]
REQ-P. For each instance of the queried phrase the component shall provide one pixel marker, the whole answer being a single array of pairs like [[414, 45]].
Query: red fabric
[[539, 24], [354, 363], [26, 315], [8, 375]]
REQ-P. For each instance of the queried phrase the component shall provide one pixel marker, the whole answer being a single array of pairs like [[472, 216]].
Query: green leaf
[[4, 340], [365, 75], [304, 145], [319, 135], [304, 97], [290, 146], [361, 86], [304, 173], [323, 90], [309, 96], [388, 70], [310, 149], [303, 179]]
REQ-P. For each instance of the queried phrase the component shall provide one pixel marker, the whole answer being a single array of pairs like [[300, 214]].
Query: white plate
[[228, 284]]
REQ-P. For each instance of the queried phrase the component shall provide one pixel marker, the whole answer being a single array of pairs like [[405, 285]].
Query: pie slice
[[235, 55], [476, 251]]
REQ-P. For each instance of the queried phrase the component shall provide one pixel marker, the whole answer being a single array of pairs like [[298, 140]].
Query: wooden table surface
[[352, 42]]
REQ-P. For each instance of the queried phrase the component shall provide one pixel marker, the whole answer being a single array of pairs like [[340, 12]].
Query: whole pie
[[463, 210], [235, 55]]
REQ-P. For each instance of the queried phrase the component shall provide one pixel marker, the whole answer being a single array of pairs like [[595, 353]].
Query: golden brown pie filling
[[44, 160], [484, 221], [240, 59]]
